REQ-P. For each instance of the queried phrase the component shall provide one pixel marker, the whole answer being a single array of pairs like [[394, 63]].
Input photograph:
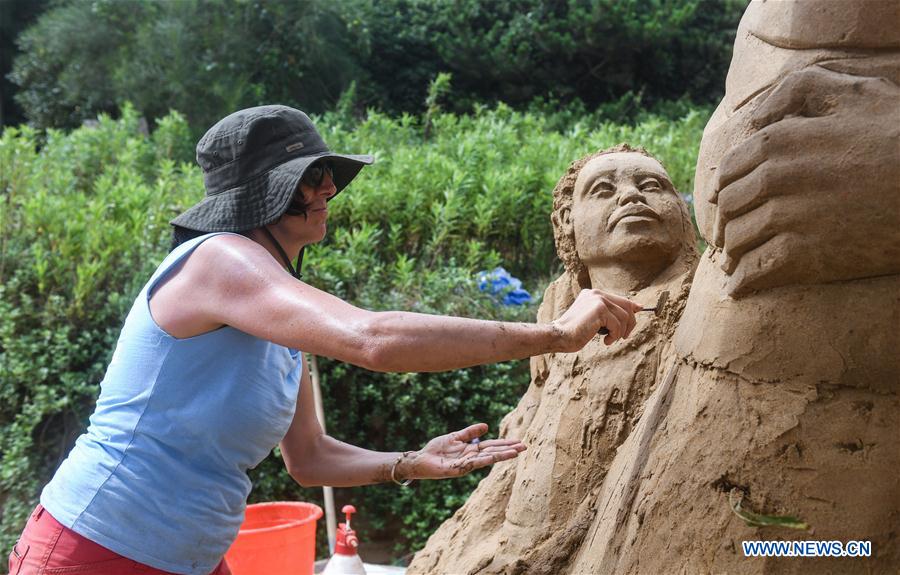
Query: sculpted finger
[[764, 267], [742, 159], [808, 92], [750, 231], [787, 98], [740, 197], [469, 433], [772, 177]]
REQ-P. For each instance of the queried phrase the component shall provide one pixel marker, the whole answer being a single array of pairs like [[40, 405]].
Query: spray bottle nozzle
[[346, 541], [348, 510], [345, 560]]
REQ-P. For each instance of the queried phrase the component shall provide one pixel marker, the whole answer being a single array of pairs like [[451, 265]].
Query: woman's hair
[[181, 235], [564, 232]]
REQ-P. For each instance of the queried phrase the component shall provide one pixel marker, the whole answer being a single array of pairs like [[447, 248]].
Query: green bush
[[84, 222], [592, 51], [206, 58]]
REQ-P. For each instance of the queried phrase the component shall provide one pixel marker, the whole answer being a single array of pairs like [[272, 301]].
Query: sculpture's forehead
[[620, 164]]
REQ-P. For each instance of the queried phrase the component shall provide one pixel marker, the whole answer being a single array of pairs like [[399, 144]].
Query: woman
[[207, 376]]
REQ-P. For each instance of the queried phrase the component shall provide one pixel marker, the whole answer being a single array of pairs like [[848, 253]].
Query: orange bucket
[[277, 538]]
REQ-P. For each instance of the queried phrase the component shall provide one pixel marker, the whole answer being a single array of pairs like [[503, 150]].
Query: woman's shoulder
[[231, 261], [228, 248], [205, 278]]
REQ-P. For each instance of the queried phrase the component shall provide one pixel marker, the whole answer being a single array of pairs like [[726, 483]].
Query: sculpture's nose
[[630, 194]]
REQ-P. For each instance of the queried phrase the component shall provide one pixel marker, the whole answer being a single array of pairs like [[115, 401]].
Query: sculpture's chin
[[641, 246]]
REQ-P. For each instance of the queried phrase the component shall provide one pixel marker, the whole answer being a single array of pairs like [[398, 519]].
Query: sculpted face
[[625, 208]]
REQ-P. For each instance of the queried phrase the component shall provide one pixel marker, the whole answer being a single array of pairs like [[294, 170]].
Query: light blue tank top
[[160, 475]]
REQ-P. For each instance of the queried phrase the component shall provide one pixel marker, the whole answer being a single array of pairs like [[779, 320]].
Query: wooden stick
[[328, 492]]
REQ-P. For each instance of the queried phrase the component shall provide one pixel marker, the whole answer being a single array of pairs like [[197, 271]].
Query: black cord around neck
[[284, 256]]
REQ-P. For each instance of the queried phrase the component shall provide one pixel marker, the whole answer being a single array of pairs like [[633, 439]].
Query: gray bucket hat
[[252, 161]]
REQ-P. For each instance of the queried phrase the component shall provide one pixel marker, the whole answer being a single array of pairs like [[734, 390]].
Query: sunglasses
[[312, 177], [315, 174]]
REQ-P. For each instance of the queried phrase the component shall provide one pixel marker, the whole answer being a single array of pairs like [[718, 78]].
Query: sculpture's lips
[[631, 210]]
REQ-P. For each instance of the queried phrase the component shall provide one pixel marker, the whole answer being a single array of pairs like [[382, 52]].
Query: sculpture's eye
[[650, 185], [603, 188]]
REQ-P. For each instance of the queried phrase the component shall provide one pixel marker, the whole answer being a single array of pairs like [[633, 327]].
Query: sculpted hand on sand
[[794, 204]]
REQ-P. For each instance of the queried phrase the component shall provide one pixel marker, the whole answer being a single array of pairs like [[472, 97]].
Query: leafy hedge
[[84, 222], [81, 58]]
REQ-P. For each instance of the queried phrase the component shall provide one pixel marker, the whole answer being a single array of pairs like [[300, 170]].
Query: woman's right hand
[[592, 310]]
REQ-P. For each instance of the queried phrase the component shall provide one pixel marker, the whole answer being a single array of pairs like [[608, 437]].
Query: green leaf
[[759, 520]]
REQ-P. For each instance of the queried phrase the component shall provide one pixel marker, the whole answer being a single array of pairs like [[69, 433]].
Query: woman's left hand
[[455, 454]]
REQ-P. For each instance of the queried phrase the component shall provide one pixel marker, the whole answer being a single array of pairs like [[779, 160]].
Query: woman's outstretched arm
[[313, 458], [231, 280]]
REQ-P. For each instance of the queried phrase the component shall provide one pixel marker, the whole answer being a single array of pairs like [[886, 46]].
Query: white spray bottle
[[345, 560]]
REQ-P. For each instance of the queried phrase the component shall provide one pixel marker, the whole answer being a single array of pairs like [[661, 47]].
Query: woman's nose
[[327, 187]]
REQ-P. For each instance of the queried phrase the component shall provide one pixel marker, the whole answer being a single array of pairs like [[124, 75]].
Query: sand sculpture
[[788, 373], [785, 391], [619, 225]]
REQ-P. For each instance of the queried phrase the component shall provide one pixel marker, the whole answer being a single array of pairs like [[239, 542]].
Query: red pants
[[49, 548]]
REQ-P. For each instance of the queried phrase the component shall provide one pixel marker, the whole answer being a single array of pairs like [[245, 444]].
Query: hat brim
[[264, 198]]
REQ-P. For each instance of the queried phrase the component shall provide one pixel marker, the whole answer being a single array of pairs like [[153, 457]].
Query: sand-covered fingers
[[486, 456], [617, 315], [470, 433], [459, 452], [500, 443], [493, 446]]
